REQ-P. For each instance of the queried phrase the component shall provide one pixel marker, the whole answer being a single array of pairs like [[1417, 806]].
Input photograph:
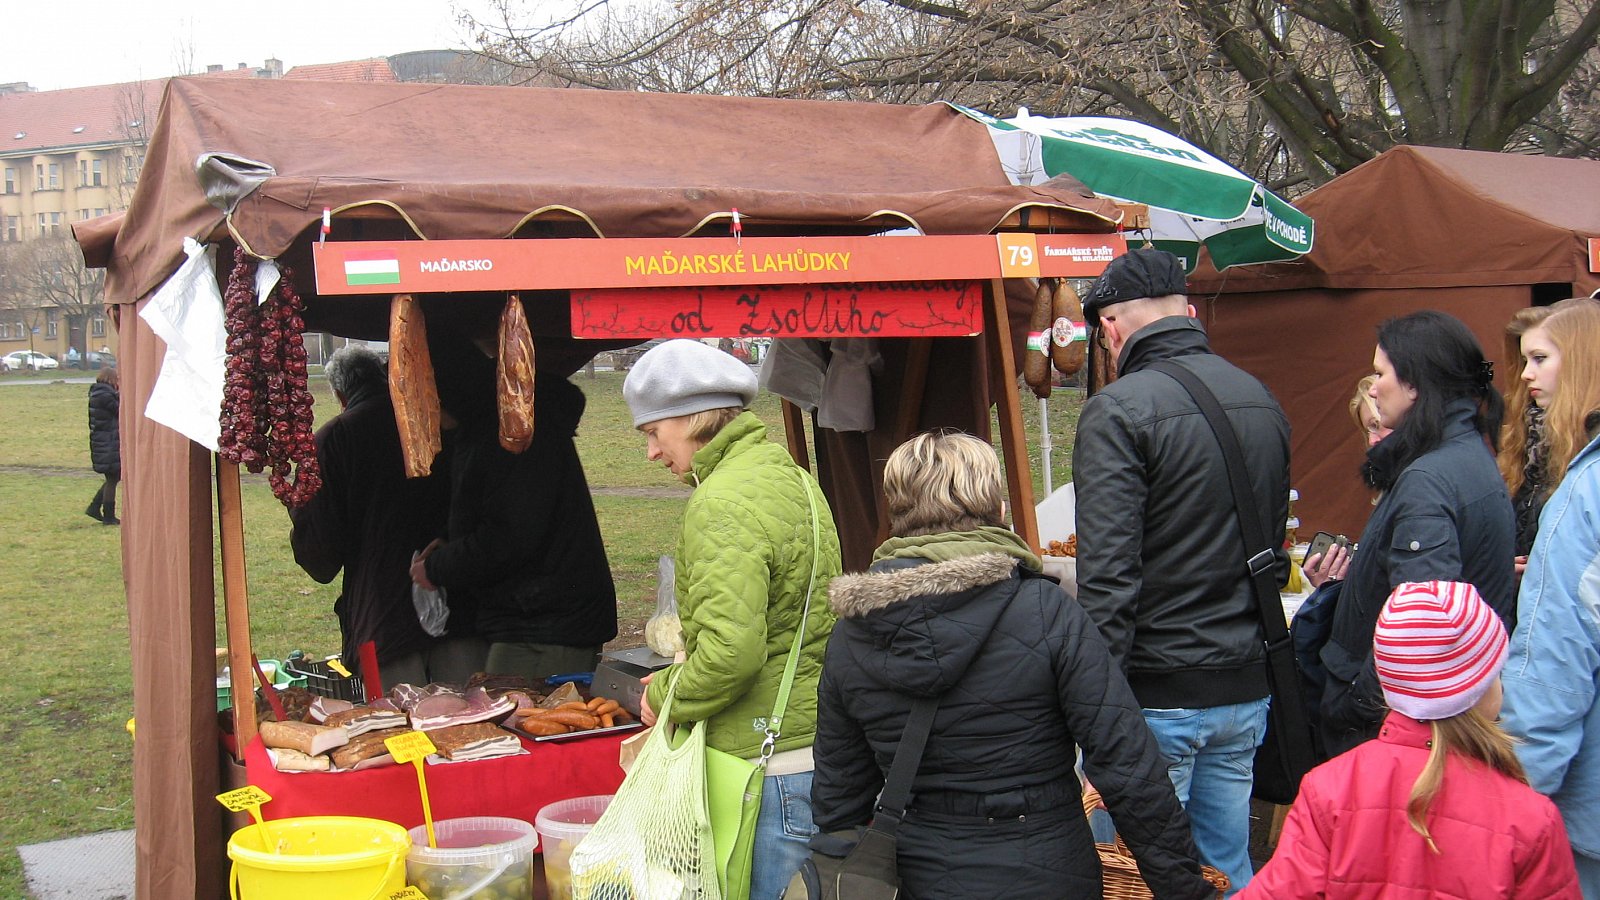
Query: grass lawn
[[66, 683]]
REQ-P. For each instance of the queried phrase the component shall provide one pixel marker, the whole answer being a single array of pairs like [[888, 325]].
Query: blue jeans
[[782, 830], [1210, 757]]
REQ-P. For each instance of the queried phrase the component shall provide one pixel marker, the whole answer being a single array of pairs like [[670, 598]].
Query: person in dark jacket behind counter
[[105, 444], [367, 520], [524, 552], [954, 606], [1161, 562]]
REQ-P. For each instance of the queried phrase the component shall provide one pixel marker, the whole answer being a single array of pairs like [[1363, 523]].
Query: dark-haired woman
[[105, 444], [1444, 514]]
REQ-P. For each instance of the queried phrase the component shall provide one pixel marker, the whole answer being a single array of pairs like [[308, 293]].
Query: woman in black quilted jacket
[[105, 444], [954, 606]]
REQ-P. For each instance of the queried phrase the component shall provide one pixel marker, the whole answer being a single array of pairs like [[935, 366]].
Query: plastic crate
[[322, 680], [280, 679]]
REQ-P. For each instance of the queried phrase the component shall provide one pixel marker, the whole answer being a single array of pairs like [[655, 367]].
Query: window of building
[[50, 322], [11, 180], [91, 173], [55, 177], [49, 223], [100, 211], [38, 176], [13, 230], [49, 329], [5, 331], [131, 164], [83, 214], [97, 326]]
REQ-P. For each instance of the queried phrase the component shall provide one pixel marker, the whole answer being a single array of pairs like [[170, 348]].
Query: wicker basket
[[1119, 871]]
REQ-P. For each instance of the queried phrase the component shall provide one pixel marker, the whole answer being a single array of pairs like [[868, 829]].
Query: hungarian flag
[[369, 267]]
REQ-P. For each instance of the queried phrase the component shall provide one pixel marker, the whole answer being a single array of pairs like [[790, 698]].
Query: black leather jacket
[[1161, 562]]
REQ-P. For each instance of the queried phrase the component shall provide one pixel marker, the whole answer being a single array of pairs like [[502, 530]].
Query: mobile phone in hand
[[1321, 544]]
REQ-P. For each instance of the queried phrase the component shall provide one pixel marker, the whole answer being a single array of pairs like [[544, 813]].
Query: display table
[[513, 786]]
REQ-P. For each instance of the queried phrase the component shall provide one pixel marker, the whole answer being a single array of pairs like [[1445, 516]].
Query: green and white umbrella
[[1194, 198]]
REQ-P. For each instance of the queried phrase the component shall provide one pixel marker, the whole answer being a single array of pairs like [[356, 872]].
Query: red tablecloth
[[513, 786]]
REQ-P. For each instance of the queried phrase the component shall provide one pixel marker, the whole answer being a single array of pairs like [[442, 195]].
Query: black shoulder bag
[[860, 864], [1288, 751]]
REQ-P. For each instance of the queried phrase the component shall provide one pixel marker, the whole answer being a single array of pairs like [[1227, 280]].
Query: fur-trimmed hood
[[920, 623], [853, 596]]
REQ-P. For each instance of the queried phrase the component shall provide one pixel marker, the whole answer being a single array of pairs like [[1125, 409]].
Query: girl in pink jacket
[[1437, 805]]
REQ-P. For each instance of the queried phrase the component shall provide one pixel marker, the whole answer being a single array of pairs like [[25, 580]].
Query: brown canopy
[[442, 161], [1478, 235]]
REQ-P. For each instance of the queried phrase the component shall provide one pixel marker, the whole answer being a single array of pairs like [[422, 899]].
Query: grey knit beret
[[682, 377]]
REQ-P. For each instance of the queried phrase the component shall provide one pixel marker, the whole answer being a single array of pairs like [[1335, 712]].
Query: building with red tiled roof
[[374, 69]]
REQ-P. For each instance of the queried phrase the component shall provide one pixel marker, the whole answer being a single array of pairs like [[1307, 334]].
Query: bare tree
[[48, 273], [1293, 91]]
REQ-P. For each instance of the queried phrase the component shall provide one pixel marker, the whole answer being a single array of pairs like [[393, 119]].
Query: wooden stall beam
[[1013, 439], [236, 602], [794, 431]]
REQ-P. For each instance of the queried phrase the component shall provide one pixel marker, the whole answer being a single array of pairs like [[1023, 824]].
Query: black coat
[[1023, 675], [1445, 517], [525, 550], [105, 432], [367, 520], [1161, 563]]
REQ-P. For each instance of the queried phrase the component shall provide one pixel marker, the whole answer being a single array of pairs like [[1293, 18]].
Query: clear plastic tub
[[478, 856], [561, 826]]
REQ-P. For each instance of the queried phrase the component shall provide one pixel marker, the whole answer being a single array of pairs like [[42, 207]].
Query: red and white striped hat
[[1438, 648]]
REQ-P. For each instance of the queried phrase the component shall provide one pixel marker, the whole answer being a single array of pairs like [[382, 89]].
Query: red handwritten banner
[[392, 267], [892, 309]]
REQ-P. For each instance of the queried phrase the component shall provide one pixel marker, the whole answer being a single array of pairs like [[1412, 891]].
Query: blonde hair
[[1574, 327], [1513, 457], [702, 426], [1471, 735], [943, 481], [1361, 404]]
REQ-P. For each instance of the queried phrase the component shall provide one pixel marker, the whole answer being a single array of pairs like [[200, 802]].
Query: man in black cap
[[1161, 562]]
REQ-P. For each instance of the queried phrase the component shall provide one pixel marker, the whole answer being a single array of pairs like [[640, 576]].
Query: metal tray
[[575, 735]]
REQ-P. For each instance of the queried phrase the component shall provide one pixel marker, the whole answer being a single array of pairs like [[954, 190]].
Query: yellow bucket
[[327, 857]]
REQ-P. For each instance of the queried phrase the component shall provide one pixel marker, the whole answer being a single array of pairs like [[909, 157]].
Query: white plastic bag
[[433, 613], [663, 633]]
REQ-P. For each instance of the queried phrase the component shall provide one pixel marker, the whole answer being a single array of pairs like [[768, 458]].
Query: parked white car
[[19, 360]]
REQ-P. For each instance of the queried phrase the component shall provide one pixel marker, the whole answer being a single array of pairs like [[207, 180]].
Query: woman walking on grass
[[105, 445]]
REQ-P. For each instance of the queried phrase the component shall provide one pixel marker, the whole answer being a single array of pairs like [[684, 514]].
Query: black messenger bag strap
[[1289, 708], [907, 759]]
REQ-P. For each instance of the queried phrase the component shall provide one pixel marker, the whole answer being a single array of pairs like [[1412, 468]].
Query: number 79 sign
[[1019, 255]]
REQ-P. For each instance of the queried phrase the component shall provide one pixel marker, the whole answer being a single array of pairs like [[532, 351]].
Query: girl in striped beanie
[[1437, 804]]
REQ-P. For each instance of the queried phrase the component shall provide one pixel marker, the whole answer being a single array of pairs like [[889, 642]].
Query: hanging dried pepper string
[[266, 412]]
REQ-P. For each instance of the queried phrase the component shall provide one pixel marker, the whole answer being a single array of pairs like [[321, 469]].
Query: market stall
[[1478, 235], [540, 173]]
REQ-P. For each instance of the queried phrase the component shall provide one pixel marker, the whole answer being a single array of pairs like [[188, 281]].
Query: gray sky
[[52, 46]]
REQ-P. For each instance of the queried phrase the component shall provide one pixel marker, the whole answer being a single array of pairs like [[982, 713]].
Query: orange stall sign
[[392, 267]]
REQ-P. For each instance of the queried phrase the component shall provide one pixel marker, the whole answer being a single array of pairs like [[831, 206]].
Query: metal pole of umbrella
[[1044, 442]]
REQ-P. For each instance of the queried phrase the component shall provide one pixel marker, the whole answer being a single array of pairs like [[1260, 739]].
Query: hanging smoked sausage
[[1069, 342], [1036, 358], [514, 378]]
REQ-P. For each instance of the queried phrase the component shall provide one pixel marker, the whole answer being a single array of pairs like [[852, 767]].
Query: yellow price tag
[[413, 747], [408, 893], [410, 746], [249, 798], [1019, 255], [338, 666], [243, 798]]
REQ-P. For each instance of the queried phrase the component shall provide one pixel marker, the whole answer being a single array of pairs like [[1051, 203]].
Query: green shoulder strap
[[775, 721]]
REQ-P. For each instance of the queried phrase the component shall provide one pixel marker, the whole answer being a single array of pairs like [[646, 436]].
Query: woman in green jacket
[[747, 559]]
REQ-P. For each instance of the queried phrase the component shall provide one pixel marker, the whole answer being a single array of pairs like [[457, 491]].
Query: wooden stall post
[[794, 430], [1013, 439], [236, 602]]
